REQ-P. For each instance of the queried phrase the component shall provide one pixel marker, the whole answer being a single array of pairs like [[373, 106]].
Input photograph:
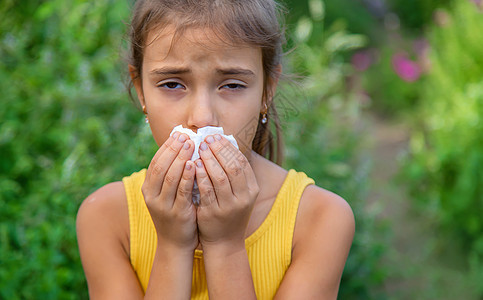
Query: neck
[[255, 161]]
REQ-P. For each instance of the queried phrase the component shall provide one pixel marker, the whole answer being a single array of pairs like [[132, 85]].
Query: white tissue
[[197, 138], [200, 136]]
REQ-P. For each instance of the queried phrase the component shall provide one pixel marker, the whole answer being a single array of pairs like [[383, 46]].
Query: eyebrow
[[170, 71], [235, 71], [178, 71]]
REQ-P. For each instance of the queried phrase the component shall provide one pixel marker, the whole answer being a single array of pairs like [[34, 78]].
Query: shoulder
[[106, 200], [323, 235], [104, 212], [103, 236], [107, 195], [320, 209], [317, 204]]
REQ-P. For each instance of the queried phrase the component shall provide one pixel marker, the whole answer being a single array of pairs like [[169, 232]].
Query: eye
[[171, 85], [233, 86]]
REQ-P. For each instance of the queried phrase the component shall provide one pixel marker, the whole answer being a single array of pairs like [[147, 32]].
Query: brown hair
[[253, 22]]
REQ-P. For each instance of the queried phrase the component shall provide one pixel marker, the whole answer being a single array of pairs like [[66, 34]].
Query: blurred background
[[387, 112]]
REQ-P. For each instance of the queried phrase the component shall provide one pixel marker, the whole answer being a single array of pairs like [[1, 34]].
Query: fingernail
[[218, 137], [182, 138], [199, 164], [210, 139], [186, 145], [175, 135], [203, 146], [188, 166]]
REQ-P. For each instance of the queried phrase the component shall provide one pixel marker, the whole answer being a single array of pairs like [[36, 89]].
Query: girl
[[259, 231]]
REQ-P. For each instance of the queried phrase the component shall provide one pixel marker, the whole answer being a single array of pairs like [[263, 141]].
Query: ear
[[272, 85], [137, 83]]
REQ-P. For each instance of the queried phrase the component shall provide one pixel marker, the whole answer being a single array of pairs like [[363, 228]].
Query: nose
[[202, 111]]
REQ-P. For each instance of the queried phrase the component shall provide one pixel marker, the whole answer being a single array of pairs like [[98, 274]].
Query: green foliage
[[323, 140], [65, 125], [390, 94], [67, 128], [415, 14], [354, 13], [445, 168]]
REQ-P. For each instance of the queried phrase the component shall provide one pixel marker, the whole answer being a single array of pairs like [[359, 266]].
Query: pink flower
[[405, 68], [361, 60]]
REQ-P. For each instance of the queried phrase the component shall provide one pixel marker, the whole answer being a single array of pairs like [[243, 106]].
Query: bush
[[445, 167], [393, 80], [416, 14], [359, 17], [324, 139], [63, 109], [67, 125], [396, 68]]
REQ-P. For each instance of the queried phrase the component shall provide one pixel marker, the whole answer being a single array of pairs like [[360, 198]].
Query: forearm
[[171, 275], [228, 273]]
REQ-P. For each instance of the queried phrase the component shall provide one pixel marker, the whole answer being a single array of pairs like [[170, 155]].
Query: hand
[[167, 191], [228, 190]]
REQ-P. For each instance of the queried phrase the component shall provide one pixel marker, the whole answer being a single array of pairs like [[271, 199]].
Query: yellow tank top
[[269, 248]]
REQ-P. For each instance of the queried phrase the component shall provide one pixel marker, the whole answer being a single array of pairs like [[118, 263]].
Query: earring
[[146, 114], [264, 115], [264, 118]]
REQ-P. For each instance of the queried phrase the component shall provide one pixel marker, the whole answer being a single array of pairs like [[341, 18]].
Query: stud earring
[[146, 114]]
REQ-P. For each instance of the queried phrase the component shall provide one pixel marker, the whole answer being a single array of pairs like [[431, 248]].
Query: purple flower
[[479, 3], [405, 68]]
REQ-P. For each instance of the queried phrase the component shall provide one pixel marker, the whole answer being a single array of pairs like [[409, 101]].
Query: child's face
[[198, 80]]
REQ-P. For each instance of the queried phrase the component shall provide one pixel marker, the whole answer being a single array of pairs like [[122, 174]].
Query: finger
[[175, 172], [160, 151], [228, 157], [218, 177], [207, 192], [251, 180], [160, 164], [184, 193]]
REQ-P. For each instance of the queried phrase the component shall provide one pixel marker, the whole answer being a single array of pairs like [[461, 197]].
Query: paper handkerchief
[[197, 138], [200, 136]]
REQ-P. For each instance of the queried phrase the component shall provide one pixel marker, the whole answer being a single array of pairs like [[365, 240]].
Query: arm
[[103, 227], [102, 235], [171, 274], [228, 272], [323, 235], [228, 190], [167, 193]]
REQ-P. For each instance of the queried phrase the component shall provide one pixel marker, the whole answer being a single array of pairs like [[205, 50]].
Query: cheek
[[160, 135], [247, 123], [163, 116], [245, 131], [162, 123]]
